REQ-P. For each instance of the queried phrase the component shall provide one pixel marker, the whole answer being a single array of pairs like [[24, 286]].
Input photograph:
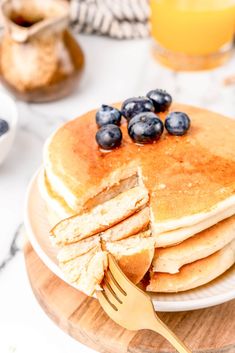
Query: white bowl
[[8, 112]]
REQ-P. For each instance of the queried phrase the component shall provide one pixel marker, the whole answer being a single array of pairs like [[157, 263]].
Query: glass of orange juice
[[192, 34]]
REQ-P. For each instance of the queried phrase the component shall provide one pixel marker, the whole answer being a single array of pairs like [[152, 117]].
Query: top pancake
[[185, 176]]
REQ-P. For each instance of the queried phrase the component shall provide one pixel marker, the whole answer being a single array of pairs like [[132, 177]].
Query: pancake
[[134, 255], [202, 245], [74, 268], [195, 274], [178, 235], [190, 179], [93, 274], [101, 217], [86, 272], [72, 251], [133, 225]]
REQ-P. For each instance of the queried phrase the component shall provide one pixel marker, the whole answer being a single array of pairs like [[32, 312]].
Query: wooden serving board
[[207, 330]]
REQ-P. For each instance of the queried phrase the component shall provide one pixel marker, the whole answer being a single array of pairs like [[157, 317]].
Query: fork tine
[[113, 282], [105, 302], [109, 289]]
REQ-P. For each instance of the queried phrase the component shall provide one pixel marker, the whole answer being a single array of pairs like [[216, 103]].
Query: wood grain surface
[[206, 330]]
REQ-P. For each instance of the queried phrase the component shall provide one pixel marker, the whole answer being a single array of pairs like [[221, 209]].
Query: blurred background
[[59, 59]]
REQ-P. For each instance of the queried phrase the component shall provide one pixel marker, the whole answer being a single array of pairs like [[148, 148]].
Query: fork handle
[[159, 327]]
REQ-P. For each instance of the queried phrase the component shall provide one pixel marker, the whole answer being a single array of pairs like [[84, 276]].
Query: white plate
[[37, 226]]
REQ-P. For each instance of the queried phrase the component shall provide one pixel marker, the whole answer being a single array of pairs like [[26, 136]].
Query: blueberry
[[109, 136], [108, 115], [161, 100], [177, 123], [136, 105], [4, 126], [145, 128]]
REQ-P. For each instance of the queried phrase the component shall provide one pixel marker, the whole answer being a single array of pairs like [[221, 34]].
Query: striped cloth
[[115, 18]]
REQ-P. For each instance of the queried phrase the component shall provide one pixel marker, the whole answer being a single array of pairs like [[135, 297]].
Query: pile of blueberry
[[143, 124], [4, 127]]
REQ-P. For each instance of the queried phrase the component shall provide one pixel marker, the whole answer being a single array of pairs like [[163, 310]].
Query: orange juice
[[200, 30]]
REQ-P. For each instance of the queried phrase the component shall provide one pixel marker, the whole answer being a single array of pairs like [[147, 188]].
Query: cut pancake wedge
[[73, 268], [204, 244], [130, 226], [101, 217], [86, 270], [134, 255], [82, 251], [195, 274], [93, 274], [74, 250]]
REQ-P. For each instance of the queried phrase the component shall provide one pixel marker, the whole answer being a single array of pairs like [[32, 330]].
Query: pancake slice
[[195, 274], [93, 274], [111, 191], [73, 268], [128, 227], [204, 244], [84, 262], [101, 217], [86, 271], [74, 250], [134, 254]]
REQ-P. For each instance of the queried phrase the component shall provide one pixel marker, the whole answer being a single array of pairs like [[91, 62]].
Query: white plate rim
[[159, 305]]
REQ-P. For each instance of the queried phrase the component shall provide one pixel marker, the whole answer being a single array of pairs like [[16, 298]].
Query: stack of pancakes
[[176, 196]]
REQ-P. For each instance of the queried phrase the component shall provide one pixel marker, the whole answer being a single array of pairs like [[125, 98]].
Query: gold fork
[[130, 307]]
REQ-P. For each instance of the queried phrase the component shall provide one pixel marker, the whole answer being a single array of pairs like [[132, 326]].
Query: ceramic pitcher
[[40, 60]]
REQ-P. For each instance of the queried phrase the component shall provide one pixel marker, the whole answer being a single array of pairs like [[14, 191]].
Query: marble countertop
[[114, 71]]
